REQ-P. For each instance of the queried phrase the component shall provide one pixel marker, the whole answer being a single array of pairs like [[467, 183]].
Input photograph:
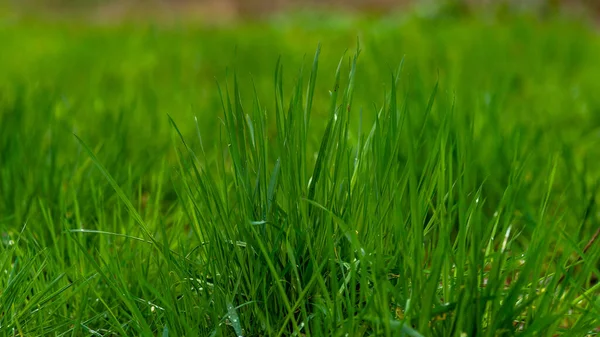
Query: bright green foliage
[[439, 179]]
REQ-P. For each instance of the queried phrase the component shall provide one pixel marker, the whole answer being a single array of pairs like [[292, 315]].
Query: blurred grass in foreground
[[443, 183]]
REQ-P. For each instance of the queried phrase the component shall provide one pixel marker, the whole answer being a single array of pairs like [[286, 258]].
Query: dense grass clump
[[451, 195]]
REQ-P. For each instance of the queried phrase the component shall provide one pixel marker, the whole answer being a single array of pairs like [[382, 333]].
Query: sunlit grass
[[437, 179]]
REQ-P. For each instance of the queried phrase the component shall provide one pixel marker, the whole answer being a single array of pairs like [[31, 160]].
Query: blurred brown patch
[[218, 11]]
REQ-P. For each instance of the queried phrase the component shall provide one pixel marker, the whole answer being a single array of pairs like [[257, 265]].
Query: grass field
[[301, 176]]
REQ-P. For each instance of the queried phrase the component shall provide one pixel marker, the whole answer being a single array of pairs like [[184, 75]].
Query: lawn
[[422, 174]]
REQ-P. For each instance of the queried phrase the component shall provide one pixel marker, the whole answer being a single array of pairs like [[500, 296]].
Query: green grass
[[437, 179]]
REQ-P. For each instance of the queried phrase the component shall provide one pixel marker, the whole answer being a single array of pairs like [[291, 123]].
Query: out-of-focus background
[[219, 11]]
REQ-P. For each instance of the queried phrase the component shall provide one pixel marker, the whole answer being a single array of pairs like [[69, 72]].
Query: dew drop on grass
[[234, 319]]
